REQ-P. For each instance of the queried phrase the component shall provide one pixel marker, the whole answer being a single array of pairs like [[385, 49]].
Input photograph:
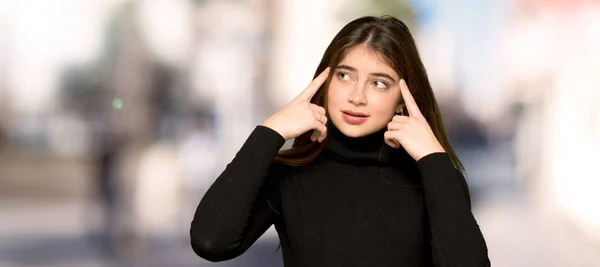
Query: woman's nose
[[357, 97]]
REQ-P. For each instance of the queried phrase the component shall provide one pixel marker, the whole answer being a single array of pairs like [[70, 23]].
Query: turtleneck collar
[[366, 150]]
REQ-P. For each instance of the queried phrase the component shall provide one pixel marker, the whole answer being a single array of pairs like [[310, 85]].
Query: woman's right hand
[[300, 116]]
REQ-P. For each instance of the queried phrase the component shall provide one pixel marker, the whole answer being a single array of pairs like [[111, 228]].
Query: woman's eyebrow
[[346, 67], [383, 75], [376, 74]]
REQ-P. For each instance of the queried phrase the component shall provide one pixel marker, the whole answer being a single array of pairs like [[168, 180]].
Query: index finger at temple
[[314, 86]]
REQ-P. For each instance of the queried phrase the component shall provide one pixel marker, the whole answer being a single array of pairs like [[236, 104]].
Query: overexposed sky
[[43, 37]]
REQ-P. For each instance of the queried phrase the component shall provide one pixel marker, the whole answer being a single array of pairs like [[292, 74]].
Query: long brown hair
[[390, 38]]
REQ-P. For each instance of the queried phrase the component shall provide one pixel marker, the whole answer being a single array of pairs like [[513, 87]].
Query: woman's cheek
[[384, 104], [337, 91]]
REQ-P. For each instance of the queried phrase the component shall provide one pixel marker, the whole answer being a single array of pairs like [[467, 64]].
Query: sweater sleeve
[[237, 209], [456, 239]]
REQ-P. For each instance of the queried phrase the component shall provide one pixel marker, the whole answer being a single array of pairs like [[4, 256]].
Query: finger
[[323, 134], [390, 140], [411, 104], [314, 136], [392, 143], [319, 113], [400, 118], [318, 135], [322, 131], [321, 118], [319, 128], [317, 108], [314, 86], [396, 126]]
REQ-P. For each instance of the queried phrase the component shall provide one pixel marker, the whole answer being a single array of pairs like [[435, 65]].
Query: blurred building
[[553, 48], [117, 115]]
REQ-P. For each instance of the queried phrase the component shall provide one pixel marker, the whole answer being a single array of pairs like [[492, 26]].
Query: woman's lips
[[352, 117]]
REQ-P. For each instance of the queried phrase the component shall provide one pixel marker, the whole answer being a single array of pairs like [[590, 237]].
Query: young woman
[[370, 180]]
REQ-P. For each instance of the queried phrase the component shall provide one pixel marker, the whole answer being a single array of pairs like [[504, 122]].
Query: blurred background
[[117, 115]]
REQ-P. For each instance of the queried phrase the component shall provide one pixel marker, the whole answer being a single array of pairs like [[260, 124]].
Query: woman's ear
[[400, 109]]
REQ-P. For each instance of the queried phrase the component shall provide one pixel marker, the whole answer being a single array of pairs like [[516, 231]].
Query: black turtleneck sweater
[[360, 203]]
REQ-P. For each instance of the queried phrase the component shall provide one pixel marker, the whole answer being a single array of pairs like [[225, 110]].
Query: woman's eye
[[380, 85], [343, 76]]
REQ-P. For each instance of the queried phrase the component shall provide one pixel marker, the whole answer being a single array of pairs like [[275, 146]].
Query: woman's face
[[363, 94]]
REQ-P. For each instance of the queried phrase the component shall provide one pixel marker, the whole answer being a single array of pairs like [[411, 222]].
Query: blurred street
[[117, 115]]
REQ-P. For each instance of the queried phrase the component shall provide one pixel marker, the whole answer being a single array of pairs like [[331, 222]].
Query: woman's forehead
[[365, 59]]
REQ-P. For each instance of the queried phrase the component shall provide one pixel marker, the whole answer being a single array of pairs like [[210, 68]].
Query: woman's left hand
[[412, 132]]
